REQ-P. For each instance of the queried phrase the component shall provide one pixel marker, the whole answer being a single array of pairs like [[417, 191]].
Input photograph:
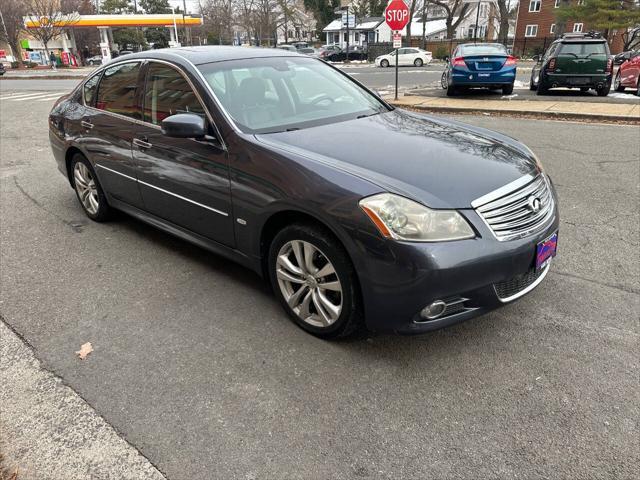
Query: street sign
[[352, 20], [396, 15], [397, 39]]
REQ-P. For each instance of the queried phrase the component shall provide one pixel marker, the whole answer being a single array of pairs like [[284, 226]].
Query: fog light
[[433, 310]]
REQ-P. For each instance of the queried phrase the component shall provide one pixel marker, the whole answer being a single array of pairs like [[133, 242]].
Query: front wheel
[[88, 189], [617, 83], [418, 62], [384, 63], [314, 280]]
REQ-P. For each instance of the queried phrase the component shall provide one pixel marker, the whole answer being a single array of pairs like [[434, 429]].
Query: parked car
[[307, 51], [574, 61], [628, 75], [300, 45], [95, 60], [481, 65], [2, 69], [227, 148], [406, 56], [288, 48], [356, 52], [622, 57]]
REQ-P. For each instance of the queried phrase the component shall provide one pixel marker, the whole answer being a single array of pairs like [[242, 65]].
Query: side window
[[89, 90], [167, 93], [117, 89]]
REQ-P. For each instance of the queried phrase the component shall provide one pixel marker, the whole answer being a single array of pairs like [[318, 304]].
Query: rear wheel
[[604, 91], [542, 90], [584, 89], [88, 189], [638, 88], [384, 63], [617, 83], [507, 89], [418, 62], [451, 90], [443, 80], [314, 280]]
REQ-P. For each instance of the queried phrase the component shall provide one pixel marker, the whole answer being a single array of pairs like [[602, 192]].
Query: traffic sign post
[[397, 16]]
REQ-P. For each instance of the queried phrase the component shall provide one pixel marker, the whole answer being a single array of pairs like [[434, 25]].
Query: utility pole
[[475, 30]]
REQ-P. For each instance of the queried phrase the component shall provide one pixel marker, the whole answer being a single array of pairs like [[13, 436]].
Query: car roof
[[211, 53]]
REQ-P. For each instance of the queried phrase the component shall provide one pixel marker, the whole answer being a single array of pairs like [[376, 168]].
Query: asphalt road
[[196, 365]]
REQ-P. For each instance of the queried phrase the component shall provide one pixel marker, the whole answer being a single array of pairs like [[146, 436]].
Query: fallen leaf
[[85, 350]]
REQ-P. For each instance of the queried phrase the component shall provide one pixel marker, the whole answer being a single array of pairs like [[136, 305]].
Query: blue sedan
[[485, 65]]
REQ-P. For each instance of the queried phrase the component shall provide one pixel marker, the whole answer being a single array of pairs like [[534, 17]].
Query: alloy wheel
[[86, 187], [309, 283]]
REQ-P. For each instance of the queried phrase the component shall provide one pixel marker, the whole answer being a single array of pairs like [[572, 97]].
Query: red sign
[[396, 14], [65, 58]]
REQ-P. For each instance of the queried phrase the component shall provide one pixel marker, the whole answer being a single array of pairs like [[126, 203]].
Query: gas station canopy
[[130, 20]]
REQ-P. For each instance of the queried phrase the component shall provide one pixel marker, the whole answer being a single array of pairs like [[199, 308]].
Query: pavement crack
[[622, 288], [75, 226]]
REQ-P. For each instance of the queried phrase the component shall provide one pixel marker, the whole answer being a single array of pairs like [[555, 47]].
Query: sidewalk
[[551, 109], [59, 74], [48, 431]]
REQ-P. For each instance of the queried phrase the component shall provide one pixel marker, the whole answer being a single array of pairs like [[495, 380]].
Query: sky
[[192, 5]]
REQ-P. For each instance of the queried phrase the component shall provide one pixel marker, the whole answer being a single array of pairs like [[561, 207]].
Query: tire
[[617, 83], [532, 86], [451, 91], [584, 89], [507, 89], [418, 62], [603, 92], [443, 80], [542, 90], [88, 189], [330, 313], [384, 63]]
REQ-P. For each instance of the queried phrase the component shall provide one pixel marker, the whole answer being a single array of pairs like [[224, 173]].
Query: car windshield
[[583, 49], [268, 95], [490, 49]]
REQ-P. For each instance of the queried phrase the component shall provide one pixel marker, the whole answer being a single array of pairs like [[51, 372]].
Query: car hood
[[441, 163]]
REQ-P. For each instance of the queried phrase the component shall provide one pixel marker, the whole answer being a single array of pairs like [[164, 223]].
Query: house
[[537, 26]]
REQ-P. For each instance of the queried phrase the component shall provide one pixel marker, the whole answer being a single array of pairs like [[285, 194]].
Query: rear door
[[182, 180], [582, 59], [108, 124]]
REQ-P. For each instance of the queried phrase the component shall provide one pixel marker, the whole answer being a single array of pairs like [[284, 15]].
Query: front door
[[182, 180]]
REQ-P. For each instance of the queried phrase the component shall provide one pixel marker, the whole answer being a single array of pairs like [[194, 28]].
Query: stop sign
[[396, 14]]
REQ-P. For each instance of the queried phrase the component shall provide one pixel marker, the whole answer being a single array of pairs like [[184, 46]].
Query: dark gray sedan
[[361, 216]]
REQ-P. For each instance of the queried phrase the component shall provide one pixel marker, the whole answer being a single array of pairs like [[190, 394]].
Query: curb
[[519, 113]]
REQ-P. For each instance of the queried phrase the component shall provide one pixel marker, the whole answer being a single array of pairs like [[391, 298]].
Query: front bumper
[[404, 277]]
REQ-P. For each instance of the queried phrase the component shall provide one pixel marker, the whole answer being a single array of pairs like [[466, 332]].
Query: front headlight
[[403, 219]]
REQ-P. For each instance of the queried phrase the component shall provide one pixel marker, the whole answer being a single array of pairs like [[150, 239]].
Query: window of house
[[577, 27], [531, 31], [167, 93], [116, 92], [552, 30], [344, 36], [534, 5]]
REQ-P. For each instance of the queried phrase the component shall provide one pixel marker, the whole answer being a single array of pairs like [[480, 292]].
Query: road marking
[[9, 97], [41, 95]]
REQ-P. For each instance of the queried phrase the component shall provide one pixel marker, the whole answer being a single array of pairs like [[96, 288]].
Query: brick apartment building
[[537, 27]]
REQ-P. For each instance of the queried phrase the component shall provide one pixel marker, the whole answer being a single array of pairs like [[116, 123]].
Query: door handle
[[87, 125], [141, 143]]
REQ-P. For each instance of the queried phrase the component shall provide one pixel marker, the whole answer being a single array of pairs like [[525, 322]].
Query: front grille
[[513, 214], [517, 284]]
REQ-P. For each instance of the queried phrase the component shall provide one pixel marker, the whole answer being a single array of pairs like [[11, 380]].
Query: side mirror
[[536, 58], [184, 125]]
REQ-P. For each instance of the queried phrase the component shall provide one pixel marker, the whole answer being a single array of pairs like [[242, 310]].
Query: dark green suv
[[575, 61]]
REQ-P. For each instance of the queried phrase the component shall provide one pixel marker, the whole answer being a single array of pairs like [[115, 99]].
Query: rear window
[[583, 49], [482, 50]]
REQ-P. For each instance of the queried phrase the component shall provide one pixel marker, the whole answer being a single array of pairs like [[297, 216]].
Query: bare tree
[[218, 16], [47, 21], [455, 10], [12, 12]]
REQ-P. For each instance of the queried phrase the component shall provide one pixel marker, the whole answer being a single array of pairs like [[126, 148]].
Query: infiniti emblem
[[534, 204]]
